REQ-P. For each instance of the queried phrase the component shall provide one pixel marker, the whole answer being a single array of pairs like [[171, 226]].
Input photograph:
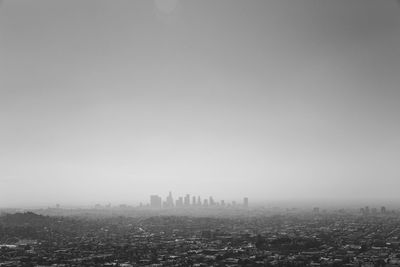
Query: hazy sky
[[111, 101]]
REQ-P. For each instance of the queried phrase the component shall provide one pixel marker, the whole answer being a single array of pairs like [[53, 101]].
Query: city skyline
[[110, 101], [189, 200]]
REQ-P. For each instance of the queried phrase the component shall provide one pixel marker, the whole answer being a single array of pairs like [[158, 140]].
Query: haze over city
[[114, 101]]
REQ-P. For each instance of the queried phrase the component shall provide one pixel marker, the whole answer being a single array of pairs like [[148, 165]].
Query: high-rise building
[[222, 202], [179, 202], [366, 210], [187, 200], [169, 203], [193, 200], [383, 209], [246, 202], [199, 201], [205, 202], [211, 201], [155, 201]]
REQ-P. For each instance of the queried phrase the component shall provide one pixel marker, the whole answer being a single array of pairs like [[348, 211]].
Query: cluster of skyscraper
[[186, 201], [366, 210]]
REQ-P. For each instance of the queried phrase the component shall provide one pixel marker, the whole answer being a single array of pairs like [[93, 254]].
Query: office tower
[[205, 203], [383, 209], [222, 202], [193, 200], [211, 201], [179, 202], [366, 210], [199, 201], [155, 201], [246, 202], [170, 201], [187, 200], [316, 210]]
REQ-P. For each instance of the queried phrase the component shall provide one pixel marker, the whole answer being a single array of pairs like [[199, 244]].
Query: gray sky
[[111, 101]]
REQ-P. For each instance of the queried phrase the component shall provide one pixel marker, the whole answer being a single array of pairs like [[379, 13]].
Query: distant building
[[169, 203], [246, 202], [222, 202], [383, 209], [187, 200], [211, 201], [193, 200], [199, 201], [155, 201], [179, 202], [366, 210]]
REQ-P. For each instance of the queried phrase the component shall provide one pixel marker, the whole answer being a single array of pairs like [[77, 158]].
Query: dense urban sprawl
[[313, 238]]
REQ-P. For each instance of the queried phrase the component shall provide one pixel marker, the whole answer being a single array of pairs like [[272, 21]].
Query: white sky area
[[111, 101]]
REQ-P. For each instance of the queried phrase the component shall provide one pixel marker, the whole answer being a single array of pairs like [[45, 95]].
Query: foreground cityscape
[[234, 236]]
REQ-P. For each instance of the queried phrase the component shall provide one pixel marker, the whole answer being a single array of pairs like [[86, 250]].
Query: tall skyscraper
[[169, 203], [211, 201], [180, 201], [155, 201], [246, 202], [383, 209], [187, 200], [193, 200], [366, 210]]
